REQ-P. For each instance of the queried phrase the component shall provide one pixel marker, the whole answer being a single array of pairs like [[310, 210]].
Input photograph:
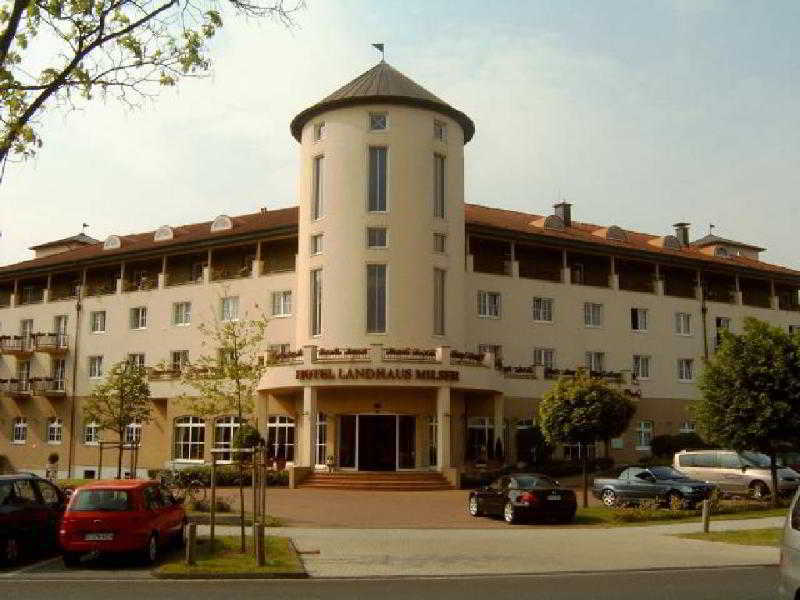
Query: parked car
[[790, 460], [30, 511], [121, 516], [789, 586], [523, 496], [736, 473], [663, 484]]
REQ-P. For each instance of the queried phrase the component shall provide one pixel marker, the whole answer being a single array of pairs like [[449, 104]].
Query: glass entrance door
[[347, 441], [377, 445]]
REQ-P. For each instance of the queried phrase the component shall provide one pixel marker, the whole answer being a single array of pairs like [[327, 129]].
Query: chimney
[[682, 232], [564, 212]]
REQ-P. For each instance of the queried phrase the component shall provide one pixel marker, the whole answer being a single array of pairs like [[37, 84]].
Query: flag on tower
[[379, 48]]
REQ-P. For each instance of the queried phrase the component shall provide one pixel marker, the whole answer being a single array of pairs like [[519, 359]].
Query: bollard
[[191, 542], [213, 496], [706, 516], [261, 554]]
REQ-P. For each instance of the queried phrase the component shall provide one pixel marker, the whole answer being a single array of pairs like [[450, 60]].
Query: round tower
[[381, 216]]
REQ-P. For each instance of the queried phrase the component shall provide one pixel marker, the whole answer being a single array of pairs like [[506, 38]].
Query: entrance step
[[378, 481]]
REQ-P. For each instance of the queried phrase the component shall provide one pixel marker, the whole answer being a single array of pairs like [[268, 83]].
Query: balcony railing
[[285, 358], [48, 386], [52, 343], [343, 355], [467, 358], [222, 273], [101, 288], [521, 372], [16, 344], [409, 355], [141, 285], [611, 376], [16, 387]]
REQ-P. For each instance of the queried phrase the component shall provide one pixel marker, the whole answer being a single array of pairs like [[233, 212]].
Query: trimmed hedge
[[227, 476]]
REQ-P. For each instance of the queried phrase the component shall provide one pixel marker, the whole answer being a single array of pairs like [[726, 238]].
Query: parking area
[[116, 567]]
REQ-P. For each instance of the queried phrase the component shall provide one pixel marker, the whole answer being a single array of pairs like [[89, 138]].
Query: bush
[[222, 506], [227, 476], [648, 510], [667, 445]]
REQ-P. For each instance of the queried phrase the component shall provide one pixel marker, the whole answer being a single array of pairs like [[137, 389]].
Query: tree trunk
[[773, 467], [585, 478], [119, 458]]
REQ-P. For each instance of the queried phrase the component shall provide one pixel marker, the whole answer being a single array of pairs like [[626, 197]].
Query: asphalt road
[[735, 583]]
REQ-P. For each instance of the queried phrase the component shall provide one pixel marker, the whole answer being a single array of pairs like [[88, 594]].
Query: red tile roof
[[476, 215]]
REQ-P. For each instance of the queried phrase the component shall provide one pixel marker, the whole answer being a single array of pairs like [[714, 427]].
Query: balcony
[[636, 276], [755, 293], [278, 256], [31, 291], [787, 297], [490, 256], [16, 388], [539, 262], [589, 269], [16, 345], [141, 276], [64, 286], [102, 281], [185, 269], [49, 387], [6, 292], [162, 374], [232, 263], [51, 343], [679, 283], [719, 288]]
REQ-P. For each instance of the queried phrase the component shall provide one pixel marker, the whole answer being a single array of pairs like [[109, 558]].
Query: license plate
[[554, 497], [99, 537]]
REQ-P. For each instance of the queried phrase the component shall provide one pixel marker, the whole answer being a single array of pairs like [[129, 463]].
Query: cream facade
[[407, 329]]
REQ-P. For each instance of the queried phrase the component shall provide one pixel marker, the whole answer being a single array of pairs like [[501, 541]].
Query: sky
[[639, 113]]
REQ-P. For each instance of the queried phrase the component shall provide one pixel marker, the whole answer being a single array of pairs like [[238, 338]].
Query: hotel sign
[[378, 374]]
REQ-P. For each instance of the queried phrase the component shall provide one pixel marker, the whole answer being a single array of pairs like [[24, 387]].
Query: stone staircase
[[398, 481]]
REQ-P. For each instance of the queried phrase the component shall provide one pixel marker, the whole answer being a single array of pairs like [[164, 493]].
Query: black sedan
[[523, 496]]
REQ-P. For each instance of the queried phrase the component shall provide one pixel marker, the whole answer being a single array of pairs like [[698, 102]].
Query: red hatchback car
[[121, 516]]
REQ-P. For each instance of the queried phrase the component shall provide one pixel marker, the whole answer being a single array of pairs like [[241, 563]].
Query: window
[[89, 473], [91, 433], [576, 270], [639, 319], [439, 131], [50, 495], [617, 443], [133, 433], [543, 309], [723, 324], [641, 366], [440, 243], [229, 308], [197, 271], [480, 438], [794, 329], [687, 427], [225, 430], [190, 437], [316, 302], [489, 304], [95, 367], [376, 237], [322, 439], [319, 131], [60, 329], [545, 357], [376, 201], [280, 438], [316, 244], [592, 314], [55, 430], [278, 349], [181, 313], [377, 121], [97, 320], [644, 435], [495, 349], [595, 361], [58, 370], [376, 298], [19, 434], [136, 360], [438, 186], [139, 317], [439, 301], [316, 188], [179, 359], [24, 374], [683, 323], [685, 366], [282, 303]]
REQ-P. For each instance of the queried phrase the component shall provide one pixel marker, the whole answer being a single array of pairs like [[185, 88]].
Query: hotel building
[[407, 329]]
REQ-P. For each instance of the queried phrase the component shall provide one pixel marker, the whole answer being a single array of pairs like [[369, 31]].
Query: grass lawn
[[225, 561], [607, 517], [747, 537]]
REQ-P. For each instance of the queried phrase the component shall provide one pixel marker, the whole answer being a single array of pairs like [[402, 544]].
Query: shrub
[[667, 445], [222, 506], [648, 510], [227, 476]]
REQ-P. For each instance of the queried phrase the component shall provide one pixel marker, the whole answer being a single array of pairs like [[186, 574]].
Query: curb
[[213, 575]]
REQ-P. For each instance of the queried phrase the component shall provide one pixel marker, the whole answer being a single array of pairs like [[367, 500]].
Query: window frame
[[91, 433], [93, 321], [591, 358], [382, 185], [638, 361], [317, 187], [227, 302], [639, 319], [284, 303], [373, 114], [484, 304], [95, 366], [385, 230], [588, 315], [439, 248], [189, 423], [439, 185], [315, 305], [231, 425], [439, 301], [542, 352], [137, 315], [19, 425], [182, 309], [641, 431], [683, 318], [682, 362], [543, 301], [374, 316]]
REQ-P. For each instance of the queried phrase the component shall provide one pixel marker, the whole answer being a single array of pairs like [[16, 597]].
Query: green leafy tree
[[123, 398], [751, 392], [59, 52], [584, 410], [225, 379]]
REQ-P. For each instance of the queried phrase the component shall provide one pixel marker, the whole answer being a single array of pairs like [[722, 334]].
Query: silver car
[[736, 473], [789, 586]]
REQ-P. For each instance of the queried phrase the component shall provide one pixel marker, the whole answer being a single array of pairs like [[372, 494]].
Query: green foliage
[[667, 445], [584, 409], [247, 436], [222, 506], [123, 398], [227, 476]]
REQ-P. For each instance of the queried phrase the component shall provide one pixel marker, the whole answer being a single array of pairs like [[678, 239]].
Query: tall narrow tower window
[[438, 185], [376, 298], [377, 179], [316, 184], [438, 301], [316, 302]]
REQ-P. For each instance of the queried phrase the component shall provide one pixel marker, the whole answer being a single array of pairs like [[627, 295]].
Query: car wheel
[[759, 490], [150, 552], [71, 559], [509, 514], [609, 498], [473, 507], [11, 551]]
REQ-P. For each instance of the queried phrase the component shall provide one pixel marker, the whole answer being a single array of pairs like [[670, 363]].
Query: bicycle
[[180, 487]]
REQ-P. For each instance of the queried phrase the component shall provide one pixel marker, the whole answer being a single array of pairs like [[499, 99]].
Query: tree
[[123, 398], [226, 380], [584, 410], [58, 51], [751, 392]]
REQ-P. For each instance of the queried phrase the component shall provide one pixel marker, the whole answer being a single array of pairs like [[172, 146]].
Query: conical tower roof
[[382, 84]]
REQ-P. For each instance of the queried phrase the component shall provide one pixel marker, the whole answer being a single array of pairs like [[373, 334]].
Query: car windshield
[[667, 473], [532, 482], [104, 500], [755, 459]]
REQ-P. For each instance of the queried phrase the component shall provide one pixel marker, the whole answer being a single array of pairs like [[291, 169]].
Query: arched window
[[91, 433], [55, 430], [190, 439], [133, 433], [19, 434], [225, 430]]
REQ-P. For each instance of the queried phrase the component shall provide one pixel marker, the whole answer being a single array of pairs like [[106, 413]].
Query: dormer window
[[112, 242], [221, 223], [377, 121], [163, 233], [319, 131], [439, 131]]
